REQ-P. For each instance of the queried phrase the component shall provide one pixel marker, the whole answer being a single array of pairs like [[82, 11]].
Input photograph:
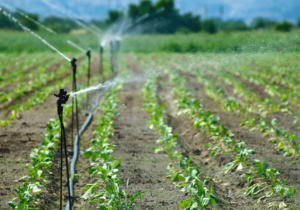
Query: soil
[[133, 148]]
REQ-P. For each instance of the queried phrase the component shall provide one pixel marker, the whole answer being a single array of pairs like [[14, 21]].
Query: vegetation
[[223, 42]]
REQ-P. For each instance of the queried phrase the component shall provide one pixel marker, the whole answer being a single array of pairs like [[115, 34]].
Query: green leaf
[[136, 195], [292, 191], [228, 166], [183, 163], [185, 204], [89, 194], [178, 178], [92, 171], [282, 205], [102, 207], [12, 205], [215, 198], [36, 189], [87, 154]]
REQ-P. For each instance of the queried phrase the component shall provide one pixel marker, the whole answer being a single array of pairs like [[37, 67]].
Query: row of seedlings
[[284, 141], [38, 82], [107, 190], [260, 177], [41, 158], [16, 62], [180, 170], [41, 161], [41, 96], [18, 74]]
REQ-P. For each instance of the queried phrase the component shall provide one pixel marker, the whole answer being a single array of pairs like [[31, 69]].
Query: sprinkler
[[101, 60], [62, 99], [112, 67], [118, 45], [88, 54], [74, 89]]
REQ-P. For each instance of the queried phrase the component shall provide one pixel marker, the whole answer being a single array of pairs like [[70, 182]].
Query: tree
[[234, 25], [113, 16], [26, 22], [298, 22], [60, 25], [191, 22], [209, 26], [166, 4], [145, 7], [262, 23], [284, 26], [133, 11], [5, 22]]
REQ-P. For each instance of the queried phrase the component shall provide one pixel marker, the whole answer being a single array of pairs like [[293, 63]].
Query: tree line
[[146, 17]]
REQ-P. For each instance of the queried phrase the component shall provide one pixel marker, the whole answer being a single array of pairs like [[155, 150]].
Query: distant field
[[256, 41], [14, 41]]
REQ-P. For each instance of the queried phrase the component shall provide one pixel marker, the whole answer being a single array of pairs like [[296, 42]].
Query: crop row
[[41, 161], [17, 62], [107, 190], [249, 113], [38, 82], [18, 74], [224, 143], [42, 95], [180, 170], [41, 158]]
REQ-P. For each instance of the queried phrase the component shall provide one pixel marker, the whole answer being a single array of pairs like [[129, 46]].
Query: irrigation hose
[[76, 144]]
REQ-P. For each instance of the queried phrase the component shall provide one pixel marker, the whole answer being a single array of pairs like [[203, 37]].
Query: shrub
[[209, 26], [284, 26]]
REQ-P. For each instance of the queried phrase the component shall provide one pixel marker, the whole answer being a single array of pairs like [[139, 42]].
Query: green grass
[[250, 41], [19, 41], [230, 42]]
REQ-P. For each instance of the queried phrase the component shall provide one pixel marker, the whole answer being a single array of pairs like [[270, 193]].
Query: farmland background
[[195, 111]]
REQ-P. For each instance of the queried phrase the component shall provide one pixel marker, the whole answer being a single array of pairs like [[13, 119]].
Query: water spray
[[62, 99], [141, 19], [75, 19], [8, 15], [109, 83], [88, 54], [31, 19], [76, 46]]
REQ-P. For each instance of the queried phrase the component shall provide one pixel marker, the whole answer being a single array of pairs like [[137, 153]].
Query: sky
[[233, 9]]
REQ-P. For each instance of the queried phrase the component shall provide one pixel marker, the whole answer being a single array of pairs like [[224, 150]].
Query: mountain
[[232, 9]]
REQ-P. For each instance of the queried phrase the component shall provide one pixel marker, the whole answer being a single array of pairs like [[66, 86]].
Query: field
[[213, 127]]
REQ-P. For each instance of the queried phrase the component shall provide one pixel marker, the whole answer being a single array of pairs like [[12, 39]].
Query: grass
[[19, 41], [223, 42], [250, 41]]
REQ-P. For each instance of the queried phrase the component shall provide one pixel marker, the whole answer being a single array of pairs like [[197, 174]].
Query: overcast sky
[[233, 9]]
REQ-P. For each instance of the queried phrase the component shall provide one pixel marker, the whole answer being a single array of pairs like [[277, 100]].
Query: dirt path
[[134, 142]]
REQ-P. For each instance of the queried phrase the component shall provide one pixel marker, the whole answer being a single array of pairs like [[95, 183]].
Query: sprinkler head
[[88, 53], [73, 62], [62, 97]]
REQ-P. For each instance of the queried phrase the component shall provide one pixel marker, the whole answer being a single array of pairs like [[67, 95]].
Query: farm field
[[208, 130]]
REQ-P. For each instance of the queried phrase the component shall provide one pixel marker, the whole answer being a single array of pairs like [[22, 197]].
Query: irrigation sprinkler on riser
[[88, 54], [111, 43], [74, 101], [114, 48], [101, 60], [62, 99]]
